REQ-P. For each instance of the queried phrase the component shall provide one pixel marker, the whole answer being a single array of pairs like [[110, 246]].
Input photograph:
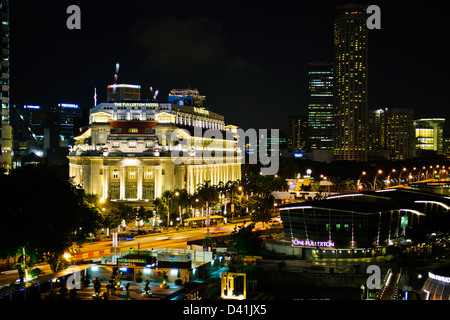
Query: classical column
[[122, 182], [202, 174], [139, 182], [157, 181], [105, 181], [196, 179], [193, 181]]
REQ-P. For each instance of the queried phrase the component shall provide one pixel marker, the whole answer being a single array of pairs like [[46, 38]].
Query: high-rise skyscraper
[[320, 105], [5, 128], [297, 128], [351, 82], [392, 130]]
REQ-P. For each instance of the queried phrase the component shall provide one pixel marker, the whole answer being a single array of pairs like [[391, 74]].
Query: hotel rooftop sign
[[136, 104], [312, 244]]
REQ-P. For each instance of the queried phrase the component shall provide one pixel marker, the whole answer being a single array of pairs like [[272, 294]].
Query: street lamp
[[400, 176], [389, 177], [426, 174], [420, 173], [375, 180], [411, 176], [359, 186], [179, 209], [232, 204]]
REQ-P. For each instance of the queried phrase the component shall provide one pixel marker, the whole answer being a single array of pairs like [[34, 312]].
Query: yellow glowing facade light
[[234, 286]]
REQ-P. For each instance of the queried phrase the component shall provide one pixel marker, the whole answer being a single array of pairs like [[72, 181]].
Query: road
[[166, 239]]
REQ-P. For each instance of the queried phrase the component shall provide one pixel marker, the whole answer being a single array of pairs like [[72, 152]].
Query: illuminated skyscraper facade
[[351, 82], [5, 127], [429, 135], [297, 129], [392, 130], [320, 105]]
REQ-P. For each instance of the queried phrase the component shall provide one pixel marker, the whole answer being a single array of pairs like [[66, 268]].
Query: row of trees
[[252, 194], [44, 216]]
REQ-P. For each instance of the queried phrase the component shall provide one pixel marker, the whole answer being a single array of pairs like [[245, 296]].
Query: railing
[[389, 289]]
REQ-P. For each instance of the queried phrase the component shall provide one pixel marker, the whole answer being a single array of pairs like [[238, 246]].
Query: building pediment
[[165, 117]]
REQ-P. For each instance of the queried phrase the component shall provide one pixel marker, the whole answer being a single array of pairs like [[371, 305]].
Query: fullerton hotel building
[[127, 151]]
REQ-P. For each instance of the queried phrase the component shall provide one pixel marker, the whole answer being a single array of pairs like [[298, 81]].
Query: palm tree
[[208, 194], [229, 187], [182, 200], [163, 204]]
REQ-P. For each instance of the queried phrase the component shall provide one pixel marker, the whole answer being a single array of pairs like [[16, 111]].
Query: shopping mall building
[[357, 224]]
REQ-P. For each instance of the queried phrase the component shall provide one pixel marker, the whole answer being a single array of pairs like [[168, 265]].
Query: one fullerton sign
[[313, 244]]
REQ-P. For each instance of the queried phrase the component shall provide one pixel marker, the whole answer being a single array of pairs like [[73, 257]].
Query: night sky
[[248, 58]]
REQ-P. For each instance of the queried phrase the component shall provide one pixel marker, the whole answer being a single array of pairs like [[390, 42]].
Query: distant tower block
[[119, 92]]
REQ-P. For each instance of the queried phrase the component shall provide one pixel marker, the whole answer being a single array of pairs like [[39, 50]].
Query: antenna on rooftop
[[155, 94], [116, 76], [95, 97]]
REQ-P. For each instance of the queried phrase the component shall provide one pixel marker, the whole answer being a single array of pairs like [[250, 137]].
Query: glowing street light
[[420, 173], [375, 180], [411, 176], [179, 209], [359, 186], [389, 177], [400, 176]]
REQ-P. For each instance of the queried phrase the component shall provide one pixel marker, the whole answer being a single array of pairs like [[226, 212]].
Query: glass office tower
[[320, 105], [5, 127]]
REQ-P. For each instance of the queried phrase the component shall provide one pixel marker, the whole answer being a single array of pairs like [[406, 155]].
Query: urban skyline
[[253, 71], [145, 156]]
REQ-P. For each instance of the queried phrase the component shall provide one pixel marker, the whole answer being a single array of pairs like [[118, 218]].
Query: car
[[274, 222], [126, 236]]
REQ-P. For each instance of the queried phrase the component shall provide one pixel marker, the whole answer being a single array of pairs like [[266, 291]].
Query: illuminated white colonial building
[[133, 150]]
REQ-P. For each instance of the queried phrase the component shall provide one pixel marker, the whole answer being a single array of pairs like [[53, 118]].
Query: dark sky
[[248, 57]]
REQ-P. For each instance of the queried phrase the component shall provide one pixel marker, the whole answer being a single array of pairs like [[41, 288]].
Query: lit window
[[148, 175]]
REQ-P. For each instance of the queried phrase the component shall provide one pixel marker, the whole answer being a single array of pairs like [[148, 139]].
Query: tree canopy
[[42, 213], [245, 241]]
